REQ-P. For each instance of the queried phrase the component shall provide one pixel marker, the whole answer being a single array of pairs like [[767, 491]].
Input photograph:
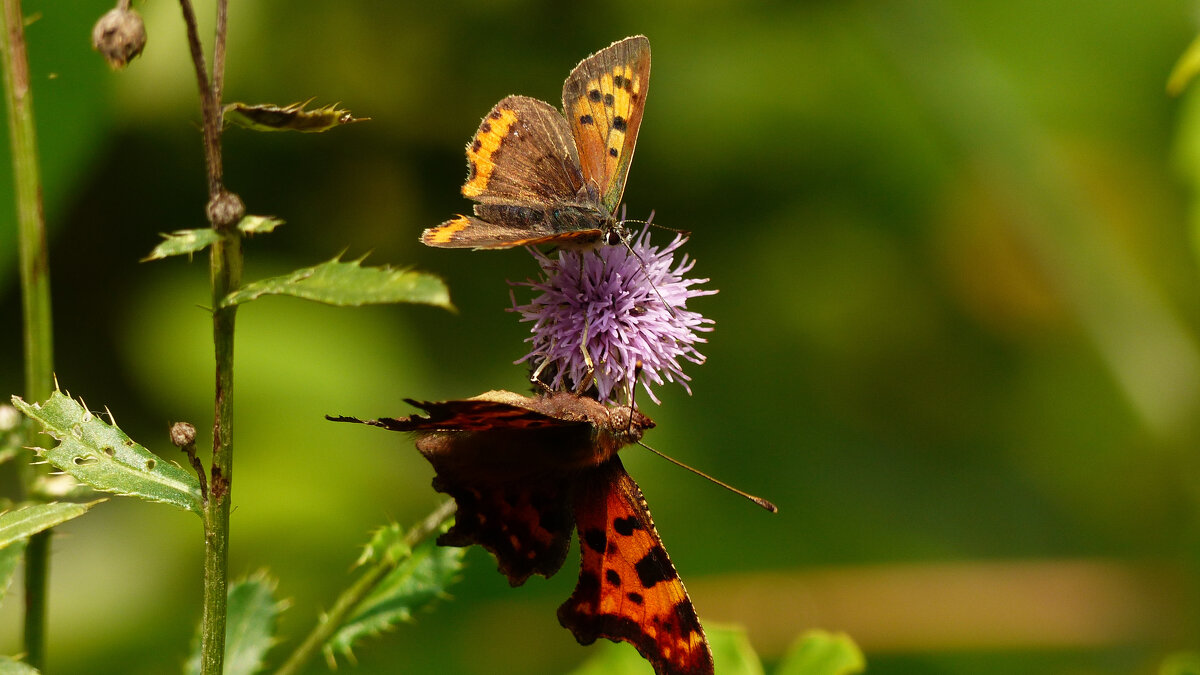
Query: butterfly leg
[[589, 377], [535, 378]]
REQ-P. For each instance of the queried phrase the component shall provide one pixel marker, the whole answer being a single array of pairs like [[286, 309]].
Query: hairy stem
[[225, 274], [357, 592], [35, 297]]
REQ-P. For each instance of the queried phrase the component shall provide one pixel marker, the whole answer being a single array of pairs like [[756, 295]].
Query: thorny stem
[[357, 592], [35, 298], [225, 272]]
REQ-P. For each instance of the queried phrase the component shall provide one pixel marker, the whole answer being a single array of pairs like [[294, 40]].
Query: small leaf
[[1180, 663], [249, 626], [182, 242], [9, 557], [1185, 69], [349, 284], [259, 224], [387, 543], [11, 666], [819, 652], [28, 520], [269, 117], [102, 456], [416, 584]]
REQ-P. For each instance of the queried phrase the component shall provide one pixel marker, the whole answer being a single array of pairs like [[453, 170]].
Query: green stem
[[35, 296], [358, 591]]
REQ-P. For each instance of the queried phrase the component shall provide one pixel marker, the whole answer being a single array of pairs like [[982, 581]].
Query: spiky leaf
[[184, 242], [387, 543], [99, 454], [819, 652], [33, 518], [271, 117], [349, 284], [9, 557], [11, 666], [417, 583], [187, 242], [249, 627]]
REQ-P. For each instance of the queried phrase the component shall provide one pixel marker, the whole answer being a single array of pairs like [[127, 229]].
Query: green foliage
[[819, 652], [249, 627], [101, 455], [187, 242], [418, 582], [349, 284], [33, 518], [1181, 663], [11, 666], [732, 655], [388, 543], [9, 557], [269, 117], [1185, 69]]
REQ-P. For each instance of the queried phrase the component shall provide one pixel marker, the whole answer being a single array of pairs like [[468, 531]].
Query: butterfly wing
[[499, 459], [604, 98], [628, 589]]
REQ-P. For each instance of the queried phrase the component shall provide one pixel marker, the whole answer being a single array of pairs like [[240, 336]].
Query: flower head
[[606, 312]]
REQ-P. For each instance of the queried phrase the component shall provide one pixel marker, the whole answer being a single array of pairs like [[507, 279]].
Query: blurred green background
[[956, 334]]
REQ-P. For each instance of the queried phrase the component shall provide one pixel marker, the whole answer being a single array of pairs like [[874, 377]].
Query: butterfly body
[[541, 176], [524, 472]]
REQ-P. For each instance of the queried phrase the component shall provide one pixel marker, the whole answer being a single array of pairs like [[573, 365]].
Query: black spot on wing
[[586, 119], [653, 568], [688, 621], [626, 526], [612, 577], [595, 96], [619, 123], [635, 598], [596, 540]]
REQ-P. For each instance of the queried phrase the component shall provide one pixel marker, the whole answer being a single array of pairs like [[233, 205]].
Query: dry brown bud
[[182, 434], [119, 36]]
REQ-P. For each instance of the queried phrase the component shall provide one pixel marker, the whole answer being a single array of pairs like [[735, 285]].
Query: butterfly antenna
[[624, 234], [757, 500]]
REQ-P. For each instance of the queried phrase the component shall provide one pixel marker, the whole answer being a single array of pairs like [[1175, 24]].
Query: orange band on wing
[[485, 144], [444, 233]]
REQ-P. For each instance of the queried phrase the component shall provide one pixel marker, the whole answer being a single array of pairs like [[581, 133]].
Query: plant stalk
[[35, 298], [358, 591], [225, 275]]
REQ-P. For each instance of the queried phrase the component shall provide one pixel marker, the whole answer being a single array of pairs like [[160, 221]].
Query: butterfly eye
[[613, 236]]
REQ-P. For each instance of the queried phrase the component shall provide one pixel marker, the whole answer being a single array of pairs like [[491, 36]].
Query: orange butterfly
[[523, 471], [542, 178]]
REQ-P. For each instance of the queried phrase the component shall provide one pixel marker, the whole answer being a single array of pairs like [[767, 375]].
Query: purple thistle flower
[[606, 295]]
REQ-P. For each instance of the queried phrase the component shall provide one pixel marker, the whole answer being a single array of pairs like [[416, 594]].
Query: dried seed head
[[119, 36], [225, 210], [182, 434]]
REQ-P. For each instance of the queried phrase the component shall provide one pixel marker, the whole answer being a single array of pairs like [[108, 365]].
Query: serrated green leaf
[[1180, 663], [820, 652], [101, 455], [731, 649], [387, 543], [33, 518], [416, 584], [259, 224], [11, 666], [349, 284], [184, 242], [9, 557], [270, 117], [249, 626]]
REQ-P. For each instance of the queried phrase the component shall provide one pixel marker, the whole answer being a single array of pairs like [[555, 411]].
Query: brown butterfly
[[541, 177], [523, 471]]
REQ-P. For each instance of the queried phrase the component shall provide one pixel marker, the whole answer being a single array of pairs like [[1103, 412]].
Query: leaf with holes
[[33, 518], [9, 557], [11, 666], [417, 583], [99, 454], [818, 652], [249, 626], [349, 284]]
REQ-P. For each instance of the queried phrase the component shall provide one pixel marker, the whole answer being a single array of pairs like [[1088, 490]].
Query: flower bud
[[182, 434], [119, 36]]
